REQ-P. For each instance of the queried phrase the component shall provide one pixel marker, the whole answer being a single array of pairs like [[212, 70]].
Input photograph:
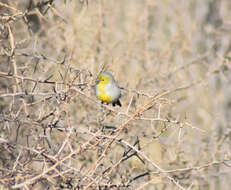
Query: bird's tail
[[117, 103]]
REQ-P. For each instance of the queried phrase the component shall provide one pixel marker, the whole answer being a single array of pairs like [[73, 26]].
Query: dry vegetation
[[172, 61]]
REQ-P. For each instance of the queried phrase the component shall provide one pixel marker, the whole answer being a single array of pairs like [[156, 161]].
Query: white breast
[[113, 90]]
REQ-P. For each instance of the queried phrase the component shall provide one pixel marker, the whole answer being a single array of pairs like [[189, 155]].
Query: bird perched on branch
[[107, 90]]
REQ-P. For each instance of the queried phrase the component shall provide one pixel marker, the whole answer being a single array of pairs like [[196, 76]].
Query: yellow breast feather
[[102, 95]]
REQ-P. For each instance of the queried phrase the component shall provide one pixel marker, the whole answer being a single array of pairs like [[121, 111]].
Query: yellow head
[[103, 79]]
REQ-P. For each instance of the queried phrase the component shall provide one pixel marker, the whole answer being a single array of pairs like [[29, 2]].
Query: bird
[[107, 90]]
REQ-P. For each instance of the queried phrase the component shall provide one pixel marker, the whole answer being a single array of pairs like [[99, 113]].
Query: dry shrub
[[172, 61]]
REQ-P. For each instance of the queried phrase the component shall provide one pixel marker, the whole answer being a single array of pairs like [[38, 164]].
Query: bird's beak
[[97, 81]]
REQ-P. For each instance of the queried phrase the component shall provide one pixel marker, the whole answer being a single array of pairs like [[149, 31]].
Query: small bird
[[107, 90]]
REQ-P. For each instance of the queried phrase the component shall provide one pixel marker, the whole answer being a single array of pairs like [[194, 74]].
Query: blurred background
[[172, 62]]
